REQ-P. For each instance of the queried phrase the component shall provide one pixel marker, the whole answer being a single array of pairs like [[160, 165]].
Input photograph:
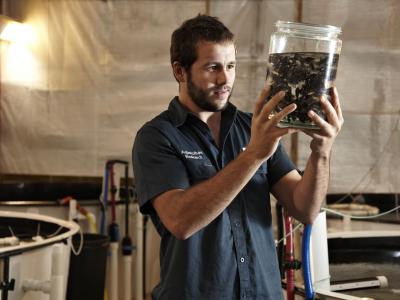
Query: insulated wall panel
[[95, 71], [366, 153]]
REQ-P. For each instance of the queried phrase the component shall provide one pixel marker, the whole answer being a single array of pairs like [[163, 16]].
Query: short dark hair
[[184, 40]]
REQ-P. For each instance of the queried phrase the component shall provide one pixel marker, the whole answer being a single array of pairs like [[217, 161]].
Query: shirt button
[[242, 259], [237, 224]]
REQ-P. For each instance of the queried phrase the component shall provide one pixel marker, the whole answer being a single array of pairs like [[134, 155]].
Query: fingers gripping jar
[[303, 61]]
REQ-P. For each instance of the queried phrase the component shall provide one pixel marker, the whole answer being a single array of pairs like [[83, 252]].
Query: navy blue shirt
[[234, 256]]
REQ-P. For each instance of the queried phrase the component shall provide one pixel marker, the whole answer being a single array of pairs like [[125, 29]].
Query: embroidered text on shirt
[[192, 154]]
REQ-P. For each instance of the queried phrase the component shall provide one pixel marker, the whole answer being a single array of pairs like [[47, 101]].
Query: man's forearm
[[190, 210], [311, 190]]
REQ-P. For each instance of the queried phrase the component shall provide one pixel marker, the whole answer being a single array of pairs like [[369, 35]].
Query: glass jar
[[303, 61]]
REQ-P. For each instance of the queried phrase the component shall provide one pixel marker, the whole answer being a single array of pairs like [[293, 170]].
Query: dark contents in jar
[[305, 77]]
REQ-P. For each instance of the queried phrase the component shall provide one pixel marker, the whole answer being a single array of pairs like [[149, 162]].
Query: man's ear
[[179, 71]]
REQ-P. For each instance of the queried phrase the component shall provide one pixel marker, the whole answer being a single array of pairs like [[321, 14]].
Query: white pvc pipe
[[36, 285], [55, 286], [127, 276], [114, 271], [71, 226], [319, 253], [9, 241], [326, 294], [73, 212], [139, 255], [57, 278]]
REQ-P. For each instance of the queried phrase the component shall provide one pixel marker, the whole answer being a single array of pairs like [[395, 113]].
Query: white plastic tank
[[33, 254]]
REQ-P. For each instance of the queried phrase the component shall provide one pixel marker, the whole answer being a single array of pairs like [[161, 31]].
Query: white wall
[[97, 70]]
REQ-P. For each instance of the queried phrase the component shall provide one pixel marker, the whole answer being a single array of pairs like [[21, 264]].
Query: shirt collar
[[179, 113]]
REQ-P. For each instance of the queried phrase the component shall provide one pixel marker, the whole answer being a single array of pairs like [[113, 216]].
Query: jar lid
[[308, 27]]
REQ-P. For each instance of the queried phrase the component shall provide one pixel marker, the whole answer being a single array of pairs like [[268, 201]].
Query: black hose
[[127, 246], [126, 201], [145, 220]]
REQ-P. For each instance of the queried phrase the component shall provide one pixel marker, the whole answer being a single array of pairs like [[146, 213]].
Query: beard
[[203, 99]]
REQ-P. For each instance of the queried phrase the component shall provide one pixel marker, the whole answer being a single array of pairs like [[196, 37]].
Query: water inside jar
[[305, 77]]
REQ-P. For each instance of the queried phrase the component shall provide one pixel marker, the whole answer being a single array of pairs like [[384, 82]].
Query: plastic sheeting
[[366, 155], [95, 71]]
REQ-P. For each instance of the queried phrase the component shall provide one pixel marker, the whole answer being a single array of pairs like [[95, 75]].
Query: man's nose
[[222, 77]]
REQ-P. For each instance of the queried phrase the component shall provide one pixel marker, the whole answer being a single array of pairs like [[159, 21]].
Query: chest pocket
[[200, 170]]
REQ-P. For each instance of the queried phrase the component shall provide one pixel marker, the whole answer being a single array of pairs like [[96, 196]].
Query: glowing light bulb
[[18, 33]]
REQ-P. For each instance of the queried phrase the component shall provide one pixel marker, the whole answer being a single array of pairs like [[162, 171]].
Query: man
[[204, 171]]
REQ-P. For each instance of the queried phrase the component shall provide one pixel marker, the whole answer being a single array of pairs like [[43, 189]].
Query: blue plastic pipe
[[105, 195], [308, 286]]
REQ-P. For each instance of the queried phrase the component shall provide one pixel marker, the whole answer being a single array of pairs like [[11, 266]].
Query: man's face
[[211, 77]]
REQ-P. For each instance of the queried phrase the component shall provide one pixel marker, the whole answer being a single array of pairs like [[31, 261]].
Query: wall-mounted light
[[13, 31], [19, 65]]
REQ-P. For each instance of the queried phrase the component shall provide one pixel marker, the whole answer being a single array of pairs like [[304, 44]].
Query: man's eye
[[231, 66], [212, 68]]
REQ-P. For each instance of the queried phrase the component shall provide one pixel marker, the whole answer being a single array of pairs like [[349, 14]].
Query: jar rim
[[308, 27]]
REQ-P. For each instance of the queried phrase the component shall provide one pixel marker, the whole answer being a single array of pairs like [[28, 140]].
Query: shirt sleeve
[[279, 165], [157, 167]]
